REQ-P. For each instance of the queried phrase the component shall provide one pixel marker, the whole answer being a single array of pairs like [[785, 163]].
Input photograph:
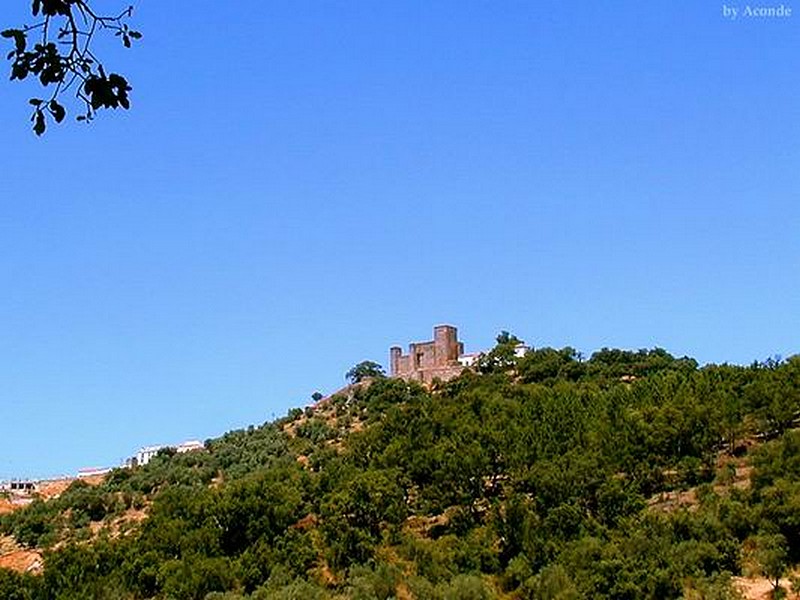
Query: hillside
[[627, 475]]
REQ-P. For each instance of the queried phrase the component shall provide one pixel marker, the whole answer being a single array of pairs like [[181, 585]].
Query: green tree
[[364, 370], [775, 398], [16, 587], [548, 364], [772, 557], [502, 357]]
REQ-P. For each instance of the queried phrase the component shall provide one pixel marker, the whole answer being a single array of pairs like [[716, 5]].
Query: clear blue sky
[[302, 184]]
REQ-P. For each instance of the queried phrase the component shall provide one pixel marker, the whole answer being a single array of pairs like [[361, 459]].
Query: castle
[[442, 358]]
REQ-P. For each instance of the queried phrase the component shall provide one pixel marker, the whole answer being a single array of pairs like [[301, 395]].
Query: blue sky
[[300, 185]]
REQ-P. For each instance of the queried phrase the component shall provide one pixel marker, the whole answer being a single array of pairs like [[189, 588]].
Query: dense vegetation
[[544, 477]]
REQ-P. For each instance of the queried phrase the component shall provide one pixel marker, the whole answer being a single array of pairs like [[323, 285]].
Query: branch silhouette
[[57, 50]]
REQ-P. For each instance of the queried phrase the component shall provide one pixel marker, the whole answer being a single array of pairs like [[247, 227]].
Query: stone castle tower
[[442, 358]]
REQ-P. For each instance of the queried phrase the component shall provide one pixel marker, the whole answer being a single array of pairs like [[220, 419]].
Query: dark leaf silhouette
[[69, 64]]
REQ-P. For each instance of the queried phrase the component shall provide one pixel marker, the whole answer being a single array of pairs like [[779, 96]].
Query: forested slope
[[541, 477]]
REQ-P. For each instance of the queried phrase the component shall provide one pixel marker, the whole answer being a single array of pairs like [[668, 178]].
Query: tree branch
[[63, 63]]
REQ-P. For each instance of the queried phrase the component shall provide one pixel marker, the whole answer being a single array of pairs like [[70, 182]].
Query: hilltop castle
[[442, 358]]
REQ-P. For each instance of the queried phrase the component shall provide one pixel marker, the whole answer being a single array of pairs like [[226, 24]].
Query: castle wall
[[426, 361]]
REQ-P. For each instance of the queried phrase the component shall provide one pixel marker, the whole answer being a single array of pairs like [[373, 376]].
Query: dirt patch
[[6, 506], [56, 487], [424, 526], [122, 525], [8, 545], [16, 558], [93, 480], [742, 480], [53, 489], [670, 501], [134, 515], [308, 522], [732, 472], [758, 588], [22, 561], [403, 593], [325, 575]]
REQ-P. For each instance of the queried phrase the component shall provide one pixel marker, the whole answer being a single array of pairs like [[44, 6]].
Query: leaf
[[35, 102], [19, 38], [56, 7], [57, 111], [37, 4], [19, 71], [40, 126]]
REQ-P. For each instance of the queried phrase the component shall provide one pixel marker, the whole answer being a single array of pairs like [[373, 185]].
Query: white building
[[521, 350], [19, 486], [469, 360], [146, 454], [93, 472], [190, 446]]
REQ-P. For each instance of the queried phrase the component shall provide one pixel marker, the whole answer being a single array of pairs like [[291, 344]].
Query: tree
[[549, 364], [772, 557], [57, 50], [503, 356], [363, 370], [505, 338], [775, 400]]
